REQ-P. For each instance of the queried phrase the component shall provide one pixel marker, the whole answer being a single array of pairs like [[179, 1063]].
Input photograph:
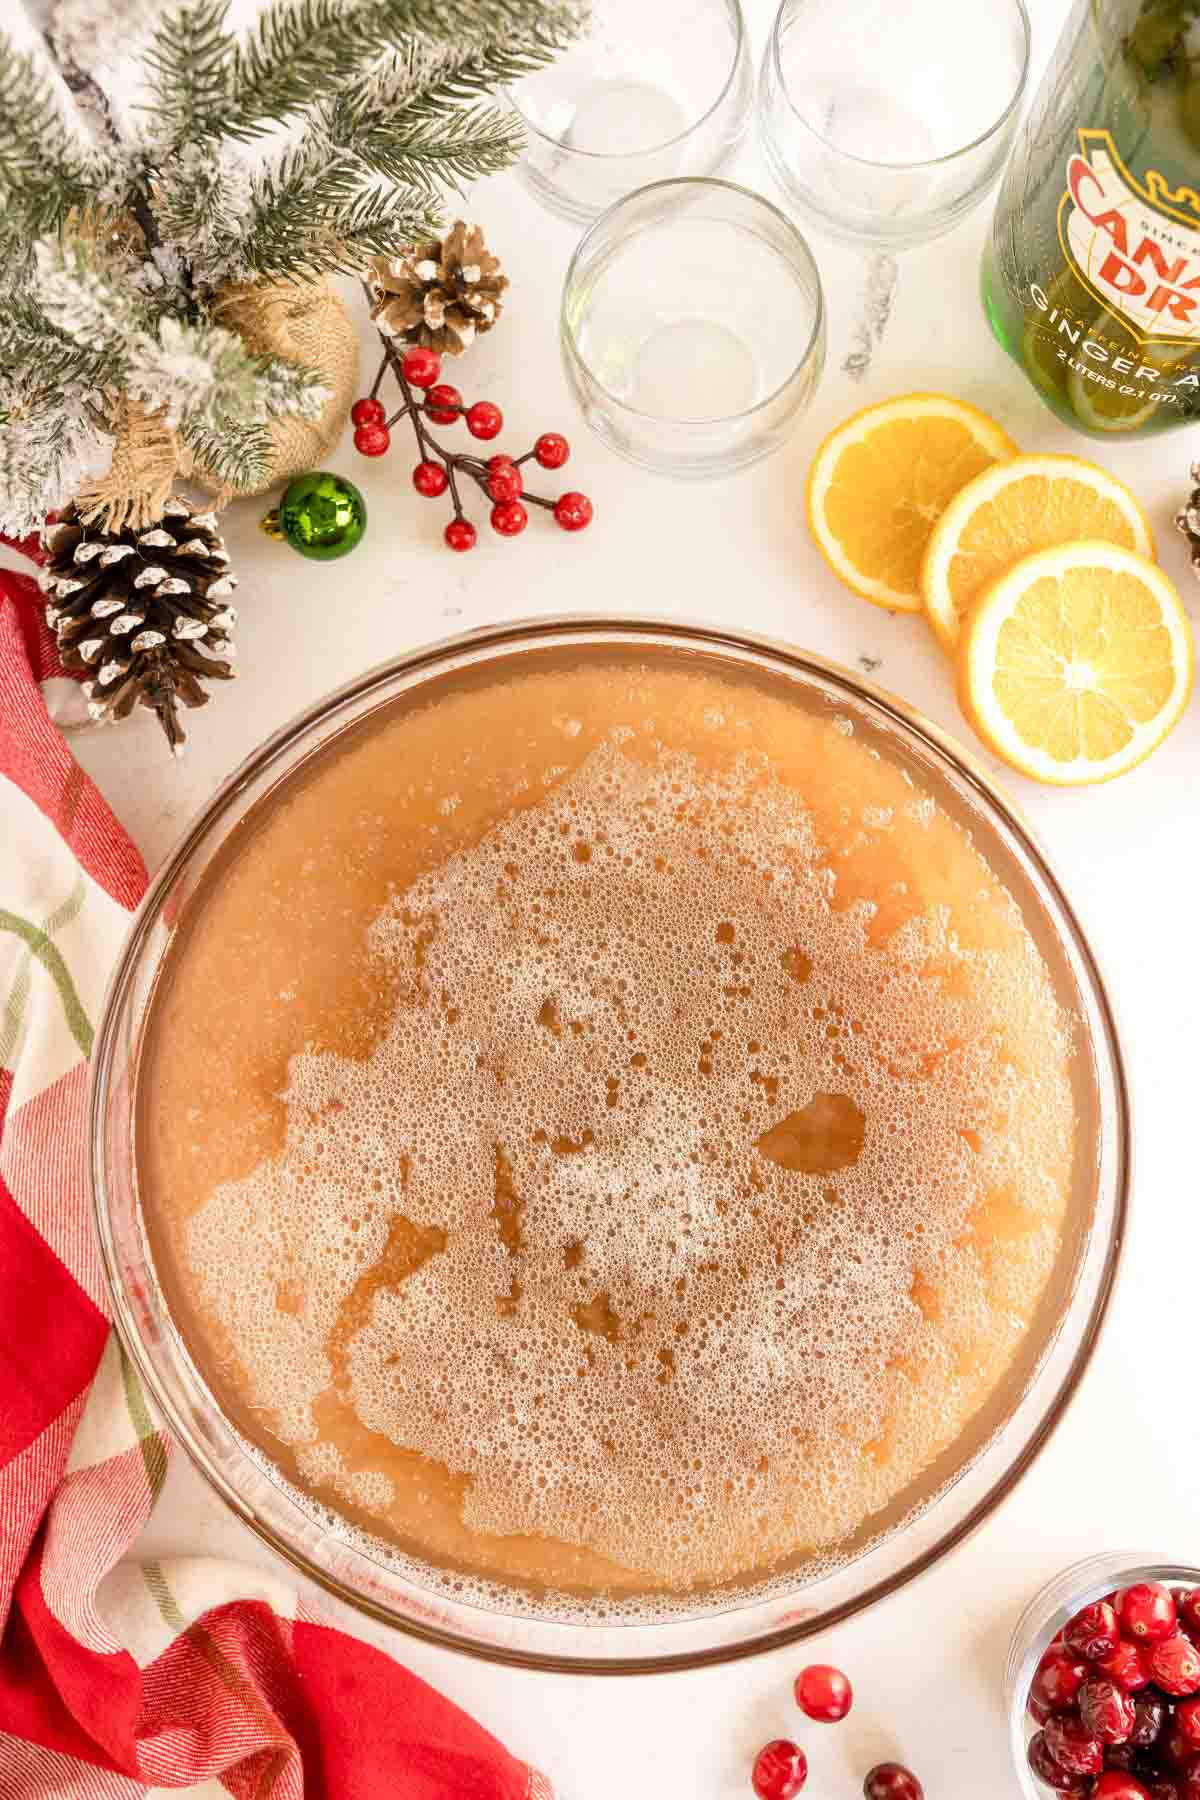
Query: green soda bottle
[[1091, 277]]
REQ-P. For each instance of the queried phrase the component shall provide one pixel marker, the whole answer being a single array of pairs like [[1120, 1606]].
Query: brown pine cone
[[441, 294], [1188, 520], [140, 612]]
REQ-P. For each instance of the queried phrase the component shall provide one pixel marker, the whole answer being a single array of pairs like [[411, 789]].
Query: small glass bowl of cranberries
[[1103, 1682]]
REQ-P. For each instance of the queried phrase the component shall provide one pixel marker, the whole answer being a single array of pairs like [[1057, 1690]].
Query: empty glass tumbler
[[884, 123], [693, 328], [651, 91]]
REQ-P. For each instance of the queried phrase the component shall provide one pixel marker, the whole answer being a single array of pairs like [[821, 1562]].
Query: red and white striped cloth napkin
[[191, 1673]]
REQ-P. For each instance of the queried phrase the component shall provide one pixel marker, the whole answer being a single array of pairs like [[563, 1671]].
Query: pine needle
[[237, 454], [45, 169]]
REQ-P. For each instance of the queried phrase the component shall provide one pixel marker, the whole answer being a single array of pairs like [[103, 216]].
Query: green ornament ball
[[321, 515]]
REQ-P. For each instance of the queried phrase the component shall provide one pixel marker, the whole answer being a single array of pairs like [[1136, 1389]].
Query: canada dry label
[[1137, 247]]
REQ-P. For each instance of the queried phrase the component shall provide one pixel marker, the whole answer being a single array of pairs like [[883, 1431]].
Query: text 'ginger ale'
[[1091, 279]]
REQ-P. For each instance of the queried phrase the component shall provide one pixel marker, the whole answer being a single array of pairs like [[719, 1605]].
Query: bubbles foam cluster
[[727, 1221]]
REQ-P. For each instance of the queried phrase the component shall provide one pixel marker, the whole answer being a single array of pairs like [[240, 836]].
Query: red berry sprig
[[427, 400]]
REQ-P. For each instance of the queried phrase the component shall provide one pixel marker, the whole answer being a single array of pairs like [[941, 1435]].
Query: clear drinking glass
[[693, 327], [650, 92], [796, 1605], [885, 123], [1046, 1615]]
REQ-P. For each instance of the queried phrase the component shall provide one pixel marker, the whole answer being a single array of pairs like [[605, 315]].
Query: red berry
[[509, 518], [1047, 1770], [1058, 1679], [1106, 1710], [460, 534], [823, 1693], [552, 450], [1149, 1717], [892, 1781], [1187, 1782], [421, 367], [1174, 1664], [368, 411], [372, 440], [1038, 1709], [1072, 1745], [1126, 1666], [1147, 1611], [780, 1770], [573, 511], [1187, 1605], [430, 479], [504, 481], [1172, 1747], [1115, 1784], [1092, 1633], [1187, 1722], [442, 403], [484, 419]]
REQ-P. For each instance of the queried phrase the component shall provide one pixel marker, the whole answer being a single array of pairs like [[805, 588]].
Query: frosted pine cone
[[1188, 520], [141, 613], [441, 294]]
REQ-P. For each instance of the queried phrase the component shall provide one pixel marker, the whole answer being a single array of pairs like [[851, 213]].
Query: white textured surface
[[1125, 1464]]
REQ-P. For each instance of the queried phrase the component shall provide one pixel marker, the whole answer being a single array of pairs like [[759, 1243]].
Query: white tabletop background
[[1124, 1466]]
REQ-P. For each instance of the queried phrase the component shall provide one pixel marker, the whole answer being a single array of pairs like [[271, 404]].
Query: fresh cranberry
[[430, 479], [1172, 1747], [1106, 1710], [372, 440], [1052, 1773], [1072, 1745], [573, 510], [509, 518], [1187, 1722], [1126, 1666], [780, 1770], [442, 404], [504, 479], [1187, 1605], [1115, 1784], [484, 419], [823, 1693], [552, 450], [1058, 1679], [1149, 1717], [1038, 1709], [368, 411], [1147, 1612], [421, 367], [892, 1781], [460, 534], [1174, 1664], [1092, 1633]]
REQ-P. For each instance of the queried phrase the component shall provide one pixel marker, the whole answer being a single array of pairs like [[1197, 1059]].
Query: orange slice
[[1076, 663], [1009, 511], [879, 483]]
